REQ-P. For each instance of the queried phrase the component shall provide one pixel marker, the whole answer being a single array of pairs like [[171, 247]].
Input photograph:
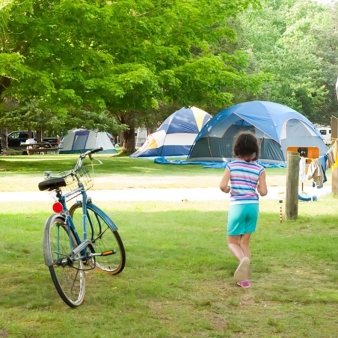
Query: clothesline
[[316, 169]]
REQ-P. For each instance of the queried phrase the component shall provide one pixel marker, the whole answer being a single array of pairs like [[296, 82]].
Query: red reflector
[[57, 207]]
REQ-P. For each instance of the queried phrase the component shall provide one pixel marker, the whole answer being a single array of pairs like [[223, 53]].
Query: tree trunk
[[128, 136], [3, 135], [128, 144], [4, 84]]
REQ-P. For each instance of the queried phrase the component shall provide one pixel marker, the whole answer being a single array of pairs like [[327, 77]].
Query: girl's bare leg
[[235, 247], [239, 247], [244, 244]]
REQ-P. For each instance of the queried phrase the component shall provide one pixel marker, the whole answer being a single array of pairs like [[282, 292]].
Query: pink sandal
[[244, 284]]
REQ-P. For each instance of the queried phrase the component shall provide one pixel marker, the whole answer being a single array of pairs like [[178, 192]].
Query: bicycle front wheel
[[106, 241], [65, 269]]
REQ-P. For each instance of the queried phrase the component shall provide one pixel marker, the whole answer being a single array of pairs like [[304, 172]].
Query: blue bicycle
[[70, 249]]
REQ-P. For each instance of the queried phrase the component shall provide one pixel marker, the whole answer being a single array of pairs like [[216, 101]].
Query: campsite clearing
[[121, 181], [121, 173], [178, 277]]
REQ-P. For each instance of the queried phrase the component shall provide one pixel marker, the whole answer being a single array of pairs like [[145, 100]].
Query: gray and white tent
[[80, 140]]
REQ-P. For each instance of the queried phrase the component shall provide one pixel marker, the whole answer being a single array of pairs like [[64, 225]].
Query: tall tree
[[121, 59]]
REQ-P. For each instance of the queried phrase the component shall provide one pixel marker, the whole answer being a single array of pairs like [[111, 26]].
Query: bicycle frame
[[86, 204], [70, 251]]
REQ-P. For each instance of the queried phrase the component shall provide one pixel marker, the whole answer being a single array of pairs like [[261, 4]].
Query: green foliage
[[113, 65], [286, 39], [114, 58]]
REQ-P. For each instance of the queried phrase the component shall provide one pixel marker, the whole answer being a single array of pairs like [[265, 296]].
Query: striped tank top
[[244, 177]]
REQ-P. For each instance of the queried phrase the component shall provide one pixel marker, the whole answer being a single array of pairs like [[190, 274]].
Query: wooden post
[[334, 144], [334, 128], [335, 182], [335, 169], [292, 182]]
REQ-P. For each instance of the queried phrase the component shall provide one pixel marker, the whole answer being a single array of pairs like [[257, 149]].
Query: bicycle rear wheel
[[105, 240], [66, 271]]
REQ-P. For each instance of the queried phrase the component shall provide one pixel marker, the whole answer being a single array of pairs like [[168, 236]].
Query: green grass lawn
[[178, 278]]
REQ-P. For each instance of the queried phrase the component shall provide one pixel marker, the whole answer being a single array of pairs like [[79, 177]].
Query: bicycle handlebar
[[84, 155], [89, 152]]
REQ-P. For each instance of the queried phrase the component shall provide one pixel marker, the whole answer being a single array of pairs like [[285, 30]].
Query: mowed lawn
[[178, 278]]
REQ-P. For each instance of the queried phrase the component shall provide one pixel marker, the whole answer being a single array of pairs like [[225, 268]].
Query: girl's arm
[[224, 185], [262, 187]]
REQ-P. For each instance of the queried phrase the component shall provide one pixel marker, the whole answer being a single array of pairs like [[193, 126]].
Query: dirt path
[[112, 181], [151, 194], [135, 188]]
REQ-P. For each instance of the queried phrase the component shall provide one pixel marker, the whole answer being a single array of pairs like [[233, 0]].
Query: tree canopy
[[296, 42], [118, 60], [114, 65]]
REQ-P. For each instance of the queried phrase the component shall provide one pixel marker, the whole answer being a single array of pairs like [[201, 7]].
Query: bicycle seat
[[52, 184]]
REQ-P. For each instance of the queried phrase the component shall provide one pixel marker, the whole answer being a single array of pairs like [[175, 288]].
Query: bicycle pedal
[[107, 253]]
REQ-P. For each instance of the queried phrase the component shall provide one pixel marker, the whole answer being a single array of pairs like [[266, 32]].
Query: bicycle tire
[[104, 239], [67, 275]]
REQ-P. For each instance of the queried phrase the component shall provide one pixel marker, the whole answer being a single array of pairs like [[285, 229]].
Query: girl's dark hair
[[246, 144]]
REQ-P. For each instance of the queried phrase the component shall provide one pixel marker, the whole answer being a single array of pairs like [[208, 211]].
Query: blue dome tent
[[277, 127], [176, 134]]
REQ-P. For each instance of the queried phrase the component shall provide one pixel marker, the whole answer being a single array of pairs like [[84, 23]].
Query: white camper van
[[140, 136], [326, 134]]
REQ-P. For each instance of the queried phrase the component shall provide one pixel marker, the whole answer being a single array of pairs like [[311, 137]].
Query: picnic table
[[40, 148]]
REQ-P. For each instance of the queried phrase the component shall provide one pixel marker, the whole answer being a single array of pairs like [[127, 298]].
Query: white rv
[[140, 136], [326, 134]]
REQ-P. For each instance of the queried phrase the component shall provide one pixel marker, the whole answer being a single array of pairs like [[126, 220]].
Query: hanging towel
[[332, 154], [315, 172], [323, 160]]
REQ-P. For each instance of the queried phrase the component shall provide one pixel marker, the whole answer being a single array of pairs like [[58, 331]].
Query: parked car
[[16, 138]]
